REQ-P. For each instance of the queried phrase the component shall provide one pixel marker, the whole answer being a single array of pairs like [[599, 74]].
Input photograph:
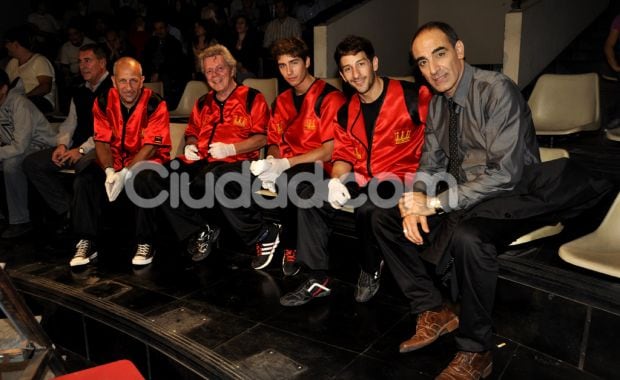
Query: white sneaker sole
[[79, 261]]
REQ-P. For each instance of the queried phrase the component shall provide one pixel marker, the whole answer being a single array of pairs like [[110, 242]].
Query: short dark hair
[[294, 47], [352, 45], [98, 50], [20, 34], [4, 79], [445, 28]]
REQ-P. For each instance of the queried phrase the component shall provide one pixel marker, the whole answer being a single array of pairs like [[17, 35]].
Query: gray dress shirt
[[496, 139]]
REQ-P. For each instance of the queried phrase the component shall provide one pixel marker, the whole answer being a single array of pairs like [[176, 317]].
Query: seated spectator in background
[[68, 55], [164, 61], [247, 8], [283, 26], [35, 71], [116, 46], [244, 44], [300, 139], [75, 147], [131, 124], [377, 149], [204, 36], [23, 130], [226, 126], [137, 37], [44, 21]]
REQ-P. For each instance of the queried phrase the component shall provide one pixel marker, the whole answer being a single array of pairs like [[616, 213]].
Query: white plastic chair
[[194, 89], [613, 134], [335, 81], [598, 251], [268, 87], [565, 104], [406, 78], [177, 138], [156, 87]]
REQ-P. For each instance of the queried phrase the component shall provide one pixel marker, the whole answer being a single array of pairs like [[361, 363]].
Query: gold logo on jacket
[[240, 121], [402, 136], [309, 125], [357, 153]]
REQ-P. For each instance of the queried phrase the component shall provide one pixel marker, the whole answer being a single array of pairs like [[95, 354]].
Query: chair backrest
[[268, 87], [335, 81], [157, 87], [563, 104], [550, 154], [194, 89], [406, 78], [177, 138]]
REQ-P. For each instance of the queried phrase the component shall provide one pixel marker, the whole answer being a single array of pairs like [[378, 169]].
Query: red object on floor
[[119, 370]]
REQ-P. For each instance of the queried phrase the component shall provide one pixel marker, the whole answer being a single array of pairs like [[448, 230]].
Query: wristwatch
[[435, 203], [81, 150]]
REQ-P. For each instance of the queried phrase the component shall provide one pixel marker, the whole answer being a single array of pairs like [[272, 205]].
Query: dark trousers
[[315, 226], [248, 222], [43, 174], [183, 219], [474, 247], [90, 199]]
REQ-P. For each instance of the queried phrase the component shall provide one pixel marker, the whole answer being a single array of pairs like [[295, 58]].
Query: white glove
[[109, 180], [338, 194], [117, 183], [269, 185], [191, 152], [220, 150], [259, 166], [278, 165]]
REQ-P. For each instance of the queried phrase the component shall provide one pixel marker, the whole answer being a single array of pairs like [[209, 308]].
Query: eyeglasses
[[219, 70]]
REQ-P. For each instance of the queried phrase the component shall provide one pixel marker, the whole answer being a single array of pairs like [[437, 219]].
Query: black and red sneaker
[[289, 266], [308, 291], [266, 247]]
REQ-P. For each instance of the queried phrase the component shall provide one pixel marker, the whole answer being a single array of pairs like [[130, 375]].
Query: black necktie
[[453, 143]]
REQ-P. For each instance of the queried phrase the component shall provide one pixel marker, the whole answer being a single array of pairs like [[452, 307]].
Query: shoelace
[[290, 255], [82, 248], [143, 250]]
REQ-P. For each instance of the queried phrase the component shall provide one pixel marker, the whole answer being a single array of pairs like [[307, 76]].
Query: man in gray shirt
[[23, 130], [479, 138]]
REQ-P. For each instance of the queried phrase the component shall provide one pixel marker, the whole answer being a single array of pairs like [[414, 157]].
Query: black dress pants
[[474, 246]]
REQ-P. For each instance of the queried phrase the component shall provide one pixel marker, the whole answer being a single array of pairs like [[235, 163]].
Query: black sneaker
[[289, 266], [368, 285], [201, 244], [17, 230], [85, 252], [144, 254], [266, 247], [306, 292]]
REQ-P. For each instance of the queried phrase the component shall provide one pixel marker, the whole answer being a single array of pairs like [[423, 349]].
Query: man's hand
[[414, 203], [278, 165], [191, 152], [57, 155], [71, 156], [338, 194], [411, 230], [258, 167], [220, 150], [114, 183]]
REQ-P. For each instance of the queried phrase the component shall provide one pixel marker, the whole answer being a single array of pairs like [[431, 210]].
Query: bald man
[[131, 125]]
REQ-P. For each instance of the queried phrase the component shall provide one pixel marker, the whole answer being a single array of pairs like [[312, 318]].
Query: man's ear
[[307, 62], [375, 63], [460, 49]]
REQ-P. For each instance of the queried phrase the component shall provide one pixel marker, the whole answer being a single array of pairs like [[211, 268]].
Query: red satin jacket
[[297, 133], [148, 124], [397, 141], [243, 114]]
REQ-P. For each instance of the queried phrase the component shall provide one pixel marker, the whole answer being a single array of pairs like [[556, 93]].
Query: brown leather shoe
[[430, 326], [468, 366]]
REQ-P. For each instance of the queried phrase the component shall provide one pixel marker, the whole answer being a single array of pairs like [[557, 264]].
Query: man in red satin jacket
[[300, 140], [131, 125], [378, 144]]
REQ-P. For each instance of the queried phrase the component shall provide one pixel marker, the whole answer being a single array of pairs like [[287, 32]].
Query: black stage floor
[[221, 319]]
